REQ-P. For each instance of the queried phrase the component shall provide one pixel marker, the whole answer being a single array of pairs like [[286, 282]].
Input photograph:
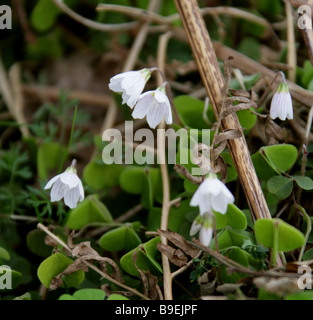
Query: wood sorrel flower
[[281, 106], [212, 194], [130, 84], [204, 224], [66, 185], [154, 105]]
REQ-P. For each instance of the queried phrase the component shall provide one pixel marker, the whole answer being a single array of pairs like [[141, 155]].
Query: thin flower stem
[[69, 143], [308, 230], [275, 244], [167, 275], [217, 248], [279, 73], [303, 167]]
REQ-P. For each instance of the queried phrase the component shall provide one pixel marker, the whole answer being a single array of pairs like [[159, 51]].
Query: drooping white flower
[[281, 105], [154, 105], [130, 84], [66, 185], [204, 224], [212, 194]]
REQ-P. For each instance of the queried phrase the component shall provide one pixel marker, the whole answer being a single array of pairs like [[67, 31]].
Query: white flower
[[205, 235], [130, 84], [212, 194], [204, 224], [281, 106], [154, 105], [67, 185]]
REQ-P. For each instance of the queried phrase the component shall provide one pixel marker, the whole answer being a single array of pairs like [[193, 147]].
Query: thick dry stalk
[[214, 84]]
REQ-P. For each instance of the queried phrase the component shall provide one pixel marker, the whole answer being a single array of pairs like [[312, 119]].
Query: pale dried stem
[[10, 88], [213, 11], [53, 93], [292, 54], [93, 24], [308, 127]]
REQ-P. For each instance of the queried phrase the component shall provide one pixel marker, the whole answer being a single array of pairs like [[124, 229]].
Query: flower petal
[[155, 115], [143, 105], [70, 179], [195, 227], [52, 181], [57, 191], [115, 84], [81, 191], [71, 197], [205, 236]]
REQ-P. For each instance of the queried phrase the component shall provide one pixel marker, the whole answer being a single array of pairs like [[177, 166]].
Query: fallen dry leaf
[[180, 242], [149, 281], [175, 256]]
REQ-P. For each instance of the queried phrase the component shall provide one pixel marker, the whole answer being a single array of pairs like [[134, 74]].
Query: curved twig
[[93, 24]]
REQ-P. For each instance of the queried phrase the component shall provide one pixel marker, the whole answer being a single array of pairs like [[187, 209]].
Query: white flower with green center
[[281, 106], [211, 195], [130, 84], [154, 105], [204, 224], [66, 185]]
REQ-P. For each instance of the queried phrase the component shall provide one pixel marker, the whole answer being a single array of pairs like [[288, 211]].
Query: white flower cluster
[[154, 105], [211, 195]]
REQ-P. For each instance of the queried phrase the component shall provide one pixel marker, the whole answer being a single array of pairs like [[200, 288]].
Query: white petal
[[160, 95], [168, 113], [71, 197], [195, 200], [281, 106], [52, 181], [220, 202], [212, 186], [70, 179], [195, 227], [155, 115], [133, 83], [144, 103], [205, 236], [115, 84], [212, 194], [131, 101], [57, 191], [289, 107], [81, 191]]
